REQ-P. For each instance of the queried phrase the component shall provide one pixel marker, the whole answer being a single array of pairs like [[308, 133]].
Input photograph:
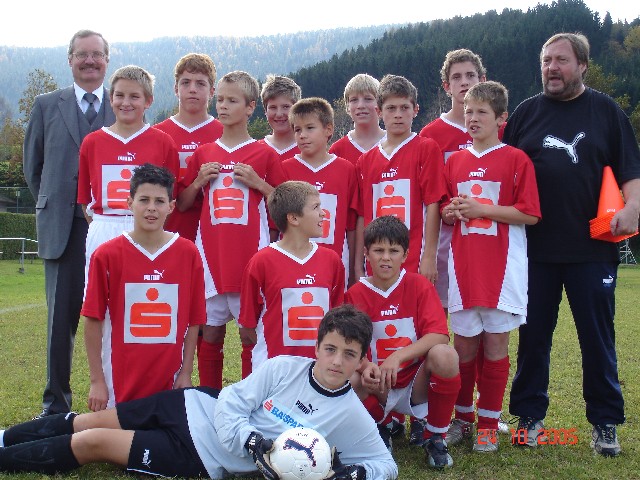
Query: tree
[[5, 110], [38, 82], [342, 122], [259, 128], [12, 132]]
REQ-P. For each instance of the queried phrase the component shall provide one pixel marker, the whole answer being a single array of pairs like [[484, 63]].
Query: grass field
[[23, 363]]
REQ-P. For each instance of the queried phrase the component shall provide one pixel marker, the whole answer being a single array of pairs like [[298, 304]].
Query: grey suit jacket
[[51, 149]]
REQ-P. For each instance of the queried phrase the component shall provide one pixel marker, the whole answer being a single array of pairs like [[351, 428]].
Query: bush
[[16, 225]]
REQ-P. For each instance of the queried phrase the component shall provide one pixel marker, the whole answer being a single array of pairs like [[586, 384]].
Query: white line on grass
[[19, 308]]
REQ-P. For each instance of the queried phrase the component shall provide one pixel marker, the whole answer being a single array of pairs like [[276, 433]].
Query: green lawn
[[23, 363]]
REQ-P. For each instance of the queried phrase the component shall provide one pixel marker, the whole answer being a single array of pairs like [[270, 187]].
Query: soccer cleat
[[416, 432], [486, 441], [604, 440], [503, 425], [397, 428], [437, 452], [44, 413], [529, 433], [385, 434], [458, 431]]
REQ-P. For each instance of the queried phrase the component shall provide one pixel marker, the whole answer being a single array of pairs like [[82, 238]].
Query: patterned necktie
[[91, 113]]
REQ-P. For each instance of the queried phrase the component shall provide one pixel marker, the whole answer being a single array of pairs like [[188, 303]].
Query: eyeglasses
[[84, 55]]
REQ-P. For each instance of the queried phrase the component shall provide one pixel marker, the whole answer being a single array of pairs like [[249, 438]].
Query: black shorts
[[162, 444]]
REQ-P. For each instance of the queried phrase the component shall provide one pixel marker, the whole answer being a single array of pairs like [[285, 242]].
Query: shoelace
[[526, 423], [608, 433]]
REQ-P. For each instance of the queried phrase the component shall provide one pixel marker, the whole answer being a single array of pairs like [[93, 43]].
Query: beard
[[572, 88]]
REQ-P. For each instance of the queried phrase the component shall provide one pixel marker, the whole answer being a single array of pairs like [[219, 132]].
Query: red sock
[[210, 361], [493, 383], [464, 403], [245, 358], [442, 396], [374, 408]]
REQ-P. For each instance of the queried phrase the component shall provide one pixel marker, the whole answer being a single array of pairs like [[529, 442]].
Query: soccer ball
[[301, 454]]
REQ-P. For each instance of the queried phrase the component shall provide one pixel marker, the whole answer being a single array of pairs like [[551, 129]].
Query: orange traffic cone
[[609, 203]]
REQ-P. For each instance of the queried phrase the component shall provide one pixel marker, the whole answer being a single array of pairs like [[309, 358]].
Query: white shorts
[[222, 308], [473, 321], [399, 400], [442, 263], [102, 229]]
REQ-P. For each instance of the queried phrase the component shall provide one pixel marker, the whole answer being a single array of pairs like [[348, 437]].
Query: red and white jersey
[[187, 140], [450, 136], [338, 188], [147, 302], [406, 312], [402, 184], [107, 162], [233, 219], [285, 153], [348, 148], [488, 260], [284, 298]]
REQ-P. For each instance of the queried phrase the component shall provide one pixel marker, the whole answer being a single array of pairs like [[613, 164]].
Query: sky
[[42, 23]]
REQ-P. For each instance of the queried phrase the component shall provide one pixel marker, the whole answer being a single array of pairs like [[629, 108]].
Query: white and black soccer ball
[[301, 454]]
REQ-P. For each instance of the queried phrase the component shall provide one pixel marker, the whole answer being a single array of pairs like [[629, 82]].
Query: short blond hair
[[494, 93], [138, 75], [361, 83], [289, 197], [278, 85], [248, 84]]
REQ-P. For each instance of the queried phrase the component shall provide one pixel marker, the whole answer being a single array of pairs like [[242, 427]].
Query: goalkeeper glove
[[259, 448]]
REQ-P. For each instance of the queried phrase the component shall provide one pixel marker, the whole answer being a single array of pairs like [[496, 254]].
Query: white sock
[[1, 438]]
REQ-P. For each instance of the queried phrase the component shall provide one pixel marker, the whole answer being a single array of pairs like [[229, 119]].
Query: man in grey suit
[[59, 122]]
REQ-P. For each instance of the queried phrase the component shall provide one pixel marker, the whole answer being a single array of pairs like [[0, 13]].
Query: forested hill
[[509, 43], [257, 55]]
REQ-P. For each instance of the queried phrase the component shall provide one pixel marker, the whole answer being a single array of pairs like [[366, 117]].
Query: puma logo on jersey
[[464, 146], [390, 174], [307, 409], [227, 168], [319, 185], [155, 276], [190, 146], [392, 310], [129, 157], [308, 280], [607, 282], [479, 173], [554, 142], [146, 461]]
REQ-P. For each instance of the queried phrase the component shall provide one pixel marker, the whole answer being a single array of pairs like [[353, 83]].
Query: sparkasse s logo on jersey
[[190, 146], [307, 280], [129, 157], [392, 310]]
